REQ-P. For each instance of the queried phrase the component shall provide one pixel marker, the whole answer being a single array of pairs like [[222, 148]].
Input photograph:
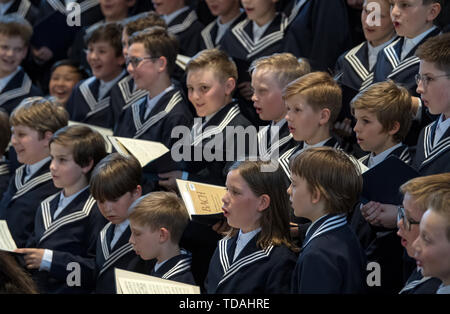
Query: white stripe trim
[[329, 224], [179, 268], [17, 92]]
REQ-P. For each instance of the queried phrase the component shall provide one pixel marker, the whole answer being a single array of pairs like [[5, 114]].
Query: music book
[[203, 201], [382, 182], [6, 241], [128, 282], [144, 151], [182, 61], [103, 131]]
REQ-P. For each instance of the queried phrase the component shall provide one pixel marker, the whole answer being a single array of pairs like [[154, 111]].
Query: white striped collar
[[22, 90], [21, 189], [130, 95], [183, 265], [184, 25], [229, 269], [432, 151], [323, 225], [168, 18]]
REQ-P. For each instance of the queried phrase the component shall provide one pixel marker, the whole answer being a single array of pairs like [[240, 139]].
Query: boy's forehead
[[15, 41], [100, 44], [204, 73]]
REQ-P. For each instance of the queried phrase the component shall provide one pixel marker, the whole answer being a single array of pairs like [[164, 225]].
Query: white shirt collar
[[151, 102], [5, 6], [222, 28], [5, 80], [119, 230], [64, 201], [373, 51], [106, 86], [258, 31], [375, 160], [410, 43], [275, 128], [441, 128], [243, 239], [170, 17], [32, 169], [443, 289]]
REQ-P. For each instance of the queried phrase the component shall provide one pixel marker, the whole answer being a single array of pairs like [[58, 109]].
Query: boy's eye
[[204, 88]]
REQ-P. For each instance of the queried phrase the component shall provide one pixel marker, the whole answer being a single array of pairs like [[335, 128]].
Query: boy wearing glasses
[[413, 21], [433, 147], [417, 194], [90, 100], [151, 61]]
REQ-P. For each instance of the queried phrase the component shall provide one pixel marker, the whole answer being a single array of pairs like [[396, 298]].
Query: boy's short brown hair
[[284, 66], [390, 103], [114, 176], [422, 188], [13, 25], [144, 21], [108, 32], [161, 210], [320, 91], [39, 114], [436, 50], [333, 174], [158, 42], [216, 60], [5, 131], [87, 145]]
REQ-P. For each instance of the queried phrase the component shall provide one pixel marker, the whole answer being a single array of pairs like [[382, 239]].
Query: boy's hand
[[371, 211], [32, 257], [245, 89], [42, 54], [168, 180], [379, 214]]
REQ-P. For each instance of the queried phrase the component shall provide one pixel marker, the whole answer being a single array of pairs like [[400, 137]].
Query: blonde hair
[[333, 174], [421, 189], [13, 25], [320, 91], [215, 60], [440, 203], [285, 67], [436, 50], [390, 103], [161, 210], [39, 114]]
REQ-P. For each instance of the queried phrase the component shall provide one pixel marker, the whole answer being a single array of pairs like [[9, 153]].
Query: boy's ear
[[88, 167], [230, 85], [325, 114], [316, 196], [264, 202], [162, 63], [394, 128], [137, 192], [435, 9], [164, 235]]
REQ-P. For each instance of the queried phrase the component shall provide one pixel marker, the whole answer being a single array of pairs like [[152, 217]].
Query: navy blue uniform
[[186, 27], [267, 149], [90, 10], [18, 88], [331, 259], [25, 9], [418, 284], [72, 238], [85, 106], [319, 32], [178, 268], [5, 175], [209, 33], [382, 245], [121, 256], [254, 271], [20, 202], [432, 159]]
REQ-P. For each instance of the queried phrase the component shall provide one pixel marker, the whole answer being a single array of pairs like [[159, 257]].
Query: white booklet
[[128, 282], [182, 61], [144, 151], [6, 241]]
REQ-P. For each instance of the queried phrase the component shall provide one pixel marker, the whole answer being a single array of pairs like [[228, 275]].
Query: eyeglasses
[[135, 61], [426, 79], [406, 221]]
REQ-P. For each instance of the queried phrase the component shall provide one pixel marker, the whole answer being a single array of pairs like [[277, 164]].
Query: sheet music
[[6, 241]]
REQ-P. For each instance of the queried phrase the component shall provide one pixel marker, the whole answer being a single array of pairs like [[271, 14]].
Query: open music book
[[128, 282], [6, 241], [144, 151], [203, 201]]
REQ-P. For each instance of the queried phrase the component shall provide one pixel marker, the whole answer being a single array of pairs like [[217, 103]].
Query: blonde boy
[[313, 103], [270, 75], [432, 247], [157, 224], [33, 123]]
